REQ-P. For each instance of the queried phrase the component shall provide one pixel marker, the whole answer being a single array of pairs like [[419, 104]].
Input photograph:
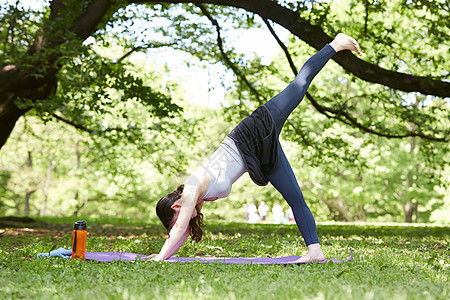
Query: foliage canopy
[[378, 127]]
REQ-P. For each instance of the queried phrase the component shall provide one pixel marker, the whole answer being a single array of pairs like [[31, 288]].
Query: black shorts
[[257, 141]]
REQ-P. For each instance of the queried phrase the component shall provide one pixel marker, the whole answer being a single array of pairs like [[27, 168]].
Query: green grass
[[389, 263]]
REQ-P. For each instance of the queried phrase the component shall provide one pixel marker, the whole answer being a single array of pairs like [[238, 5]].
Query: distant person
[[253, 216], [263, 209], [290, 214], [278, 214], [246, 211], [252, 147]]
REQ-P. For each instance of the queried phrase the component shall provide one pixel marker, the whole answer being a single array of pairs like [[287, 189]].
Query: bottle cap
[[80, 225]]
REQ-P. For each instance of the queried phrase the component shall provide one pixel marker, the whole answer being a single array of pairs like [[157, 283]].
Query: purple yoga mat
[[286, 260]]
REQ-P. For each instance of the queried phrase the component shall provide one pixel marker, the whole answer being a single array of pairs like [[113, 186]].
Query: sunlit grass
[[389, 263]]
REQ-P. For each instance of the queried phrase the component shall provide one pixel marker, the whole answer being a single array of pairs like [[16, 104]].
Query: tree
[[117, 175], [40, 48], [52, 68]]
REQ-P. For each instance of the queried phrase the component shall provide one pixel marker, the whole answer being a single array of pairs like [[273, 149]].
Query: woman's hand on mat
[[150, 257]]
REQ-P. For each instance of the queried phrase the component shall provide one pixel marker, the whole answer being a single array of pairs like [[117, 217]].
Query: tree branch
[[225, 56], [139, 48], [77, 126], [283, 47], [348, 119], [316, 37], [87, 23]]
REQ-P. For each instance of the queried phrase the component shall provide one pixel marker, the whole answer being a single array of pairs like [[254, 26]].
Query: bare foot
[[314, 254], [345, 42]]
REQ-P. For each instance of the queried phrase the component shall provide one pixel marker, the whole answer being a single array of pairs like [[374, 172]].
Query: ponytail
[[179, 190], [195, 227]]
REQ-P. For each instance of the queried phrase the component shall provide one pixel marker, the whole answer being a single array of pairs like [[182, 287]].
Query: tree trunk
[[411, 207], [408, 208], [17, 80], [9, 114], [361, 215], [26, 210], [339, 211], [79, 206], [416, 211], [18, 86], [28, 192], [78, 164], [46, 187]]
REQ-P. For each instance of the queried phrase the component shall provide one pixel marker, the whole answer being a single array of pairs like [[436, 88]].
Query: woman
[[253, 147]]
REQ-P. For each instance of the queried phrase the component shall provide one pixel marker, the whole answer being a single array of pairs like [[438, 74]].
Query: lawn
[[390, 262]]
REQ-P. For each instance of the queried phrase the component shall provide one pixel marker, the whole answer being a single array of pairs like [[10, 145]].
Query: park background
[[107, 105], [146, 98], [151, 94]]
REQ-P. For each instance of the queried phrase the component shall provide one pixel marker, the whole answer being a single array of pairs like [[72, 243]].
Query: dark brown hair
[[165, 213]]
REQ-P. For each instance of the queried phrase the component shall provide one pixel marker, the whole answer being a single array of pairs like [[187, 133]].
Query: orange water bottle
[[79, 240]]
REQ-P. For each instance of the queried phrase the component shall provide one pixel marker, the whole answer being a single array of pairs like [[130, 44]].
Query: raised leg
[[282, 105]]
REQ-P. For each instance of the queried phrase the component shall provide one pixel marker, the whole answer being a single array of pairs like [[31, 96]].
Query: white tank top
[[223, 167]]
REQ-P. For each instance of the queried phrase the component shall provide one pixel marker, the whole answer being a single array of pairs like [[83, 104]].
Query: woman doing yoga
[[252, 146]]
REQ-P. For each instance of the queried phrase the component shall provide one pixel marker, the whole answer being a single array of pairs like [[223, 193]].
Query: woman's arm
[[179, 233], [172, 244]]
